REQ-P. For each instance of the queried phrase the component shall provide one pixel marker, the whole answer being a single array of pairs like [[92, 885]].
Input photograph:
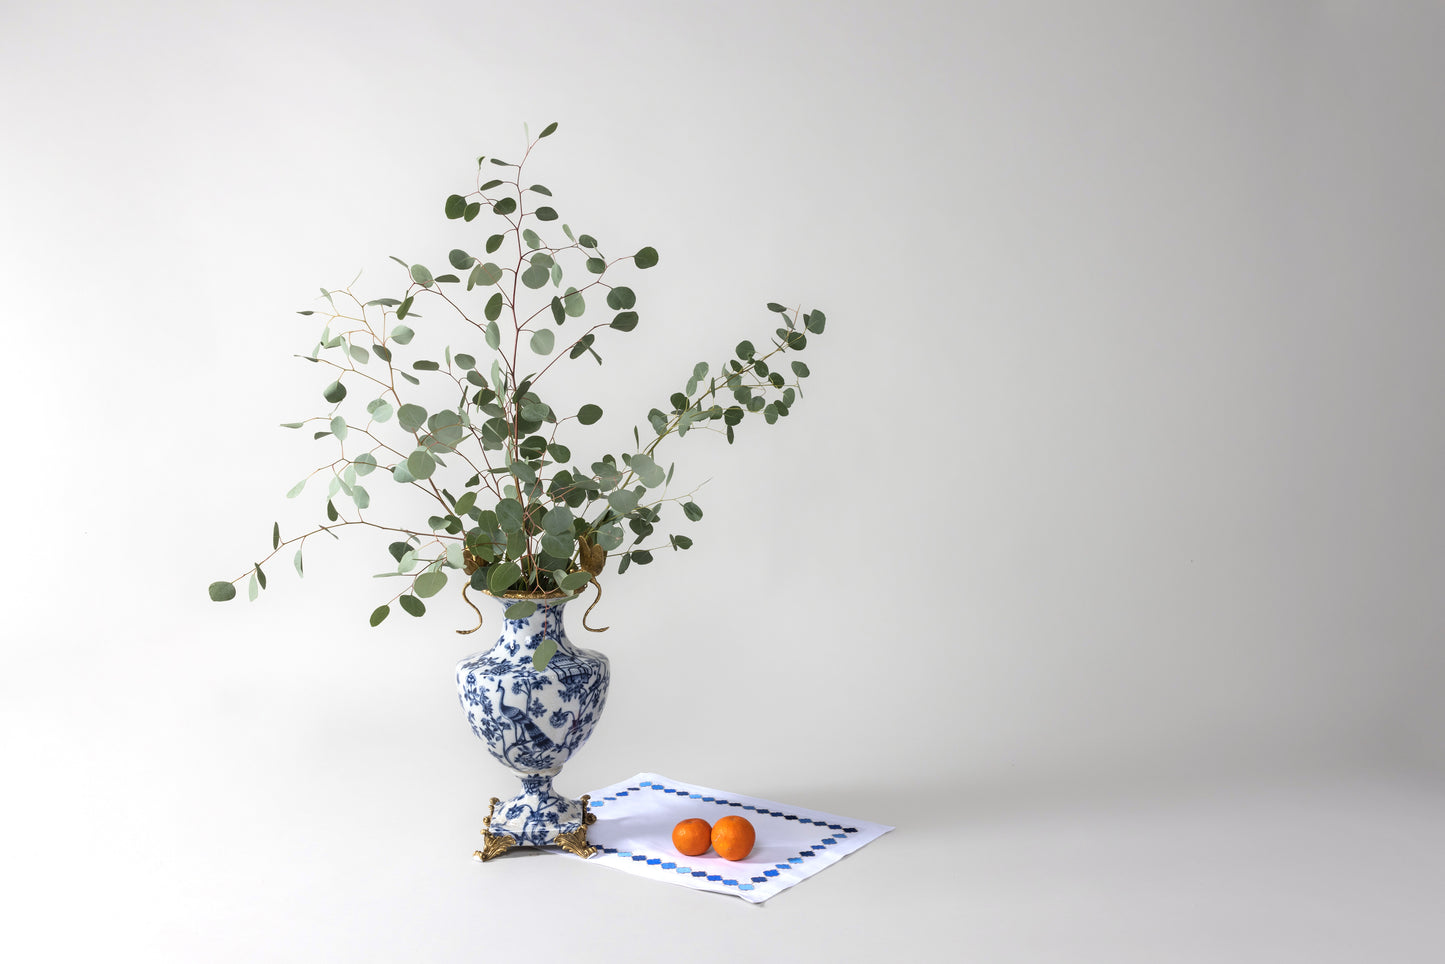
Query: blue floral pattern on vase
[[533, 721]]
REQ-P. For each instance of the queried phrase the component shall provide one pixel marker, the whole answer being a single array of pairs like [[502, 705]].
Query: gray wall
[[1121, 457]]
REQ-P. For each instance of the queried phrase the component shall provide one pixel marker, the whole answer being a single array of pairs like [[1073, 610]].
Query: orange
[[692, 837], [733, 837]]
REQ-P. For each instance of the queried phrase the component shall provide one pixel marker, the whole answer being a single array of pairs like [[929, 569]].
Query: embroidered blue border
[[660, 863]]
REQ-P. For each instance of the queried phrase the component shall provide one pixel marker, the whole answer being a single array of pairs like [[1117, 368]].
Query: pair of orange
[[732, 837]]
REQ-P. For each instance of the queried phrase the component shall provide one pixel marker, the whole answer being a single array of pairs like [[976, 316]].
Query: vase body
[[532, 721]]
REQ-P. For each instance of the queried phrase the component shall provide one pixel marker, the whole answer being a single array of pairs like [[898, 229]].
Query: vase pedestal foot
[[571, 834]]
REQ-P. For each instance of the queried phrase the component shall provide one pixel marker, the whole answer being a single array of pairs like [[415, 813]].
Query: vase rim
[[553, 595]]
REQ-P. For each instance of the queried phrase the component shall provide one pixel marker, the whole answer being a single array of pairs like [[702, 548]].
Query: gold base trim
[[572, 841]]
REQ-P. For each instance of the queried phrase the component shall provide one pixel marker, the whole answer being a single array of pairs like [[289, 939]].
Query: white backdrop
[[1119, 467]]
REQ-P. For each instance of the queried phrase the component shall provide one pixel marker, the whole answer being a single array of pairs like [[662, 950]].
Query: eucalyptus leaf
[[651, 474], [545, 650], [574, 581], [411, 417], [222, 591], [646, 257], [420, 464], [622, 501], [509, 515], [429, 583], [562, 546], [502, 576], [413, 605], [573, 303], [558, 520], [543, 341], [378, 614], [523, 609], [536, 276]]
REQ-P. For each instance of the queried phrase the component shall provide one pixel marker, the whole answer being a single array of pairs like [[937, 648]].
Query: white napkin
[[634, 825]]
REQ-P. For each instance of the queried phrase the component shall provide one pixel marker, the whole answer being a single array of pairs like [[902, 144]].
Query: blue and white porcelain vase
[[532, 722]]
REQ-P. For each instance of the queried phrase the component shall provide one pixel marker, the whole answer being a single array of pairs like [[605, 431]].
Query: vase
[[532, 721]]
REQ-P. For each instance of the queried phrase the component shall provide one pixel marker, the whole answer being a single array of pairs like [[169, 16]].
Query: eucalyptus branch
[[479, 439]]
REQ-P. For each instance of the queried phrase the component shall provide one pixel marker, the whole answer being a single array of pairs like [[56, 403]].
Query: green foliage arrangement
[[508, 505]]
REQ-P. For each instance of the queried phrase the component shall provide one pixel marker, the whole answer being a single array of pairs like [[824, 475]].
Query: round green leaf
[[428, 584], [574, 581], [560, 545], [455, 208], [625, 321], [460, 259], [505, 206], [222, 591], [487, 274], [420, 464], [651, 474], [421, 275], [573, 303], [509, 515], [545, 213], [558, 521], [645, 258], [411, 417], [543, 341], [413, 605], [621, 297], [338, 427], [334, 392], [589, 414], [379, 613], [545, 650], [502, 577]]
